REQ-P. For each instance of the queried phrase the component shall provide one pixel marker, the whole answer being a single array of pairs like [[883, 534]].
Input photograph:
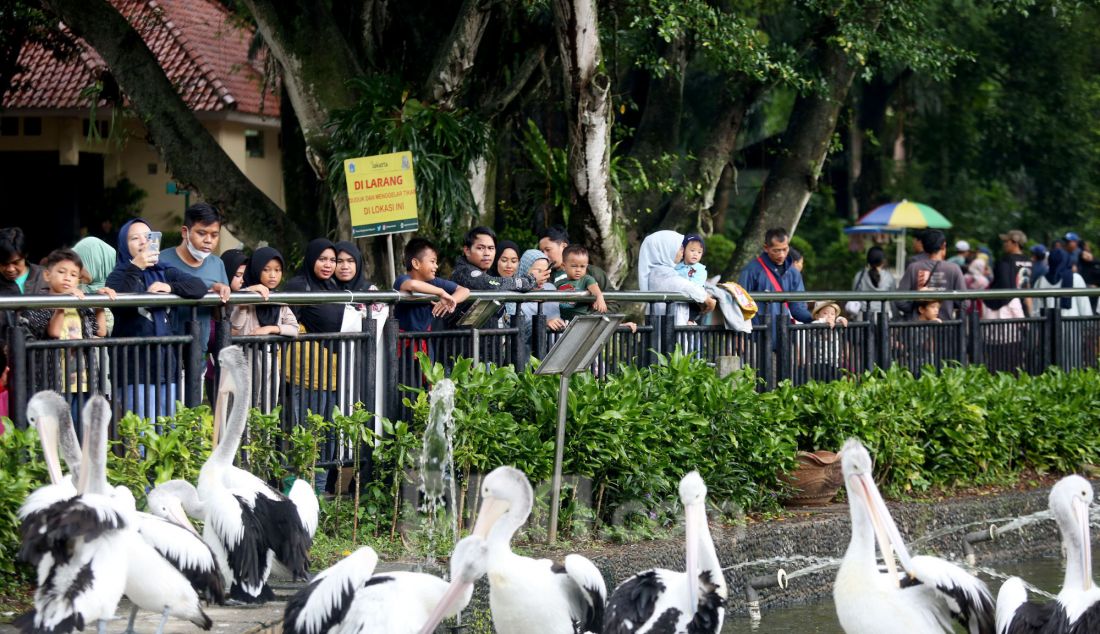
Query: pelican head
[[96, 418], [170, 499], [468, 564], [505, 491], [693, 495], [45, 411], [866, 503], [1070, 500]]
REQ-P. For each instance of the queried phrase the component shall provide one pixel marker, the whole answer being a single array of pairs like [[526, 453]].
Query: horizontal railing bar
[[109, 342], [19, 302]]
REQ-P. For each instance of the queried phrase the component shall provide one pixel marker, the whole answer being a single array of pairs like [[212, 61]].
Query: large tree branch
[[597, 216], [456, 57], [192, 153], [794, 176], [498, 101], [317, 63]]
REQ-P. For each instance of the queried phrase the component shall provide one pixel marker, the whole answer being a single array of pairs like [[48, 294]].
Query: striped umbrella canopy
[[906, 214]]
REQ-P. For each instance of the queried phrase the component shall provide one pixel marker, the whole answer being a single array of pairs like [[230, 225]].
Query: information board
[[381, 194]]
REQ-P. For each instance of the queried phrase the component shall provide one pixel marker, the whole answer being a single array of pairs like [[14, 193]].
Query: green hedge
[[635, 433]]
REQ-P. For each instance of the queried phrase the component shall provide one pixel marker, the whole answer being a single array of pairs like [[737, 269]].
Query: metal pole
[[559, 449], [389, 259], [17, 350], [477, 346]]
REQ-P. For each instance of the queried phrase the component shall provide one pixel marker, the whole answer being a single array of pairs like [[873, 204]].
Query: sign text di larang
[[381, 194]]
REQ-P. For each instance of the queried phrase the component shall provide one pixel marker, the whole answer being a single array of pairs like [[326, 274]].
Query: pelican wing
[[966, 598], [284, 533], [633, 602], [186, 552], [324, 603], [588, 593], [240, 532], [52, 529], [305, 500]]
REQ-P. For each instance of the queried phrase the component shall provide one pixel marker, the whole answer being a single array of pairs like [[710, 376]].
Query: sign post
[[382, 198], [582, 340], [479, 312]]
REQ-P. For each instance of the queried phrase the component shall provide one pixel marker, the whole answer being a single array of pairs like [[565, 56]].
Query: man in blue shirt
[[772, 271], [202, 225]]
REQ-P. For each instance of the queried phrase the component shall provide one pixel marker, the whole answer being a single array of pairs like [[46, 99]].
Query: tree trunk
[[316, 62], [455, 58], [686, 211], [194, 156], [794, 175], [596, 220], [875, 99]]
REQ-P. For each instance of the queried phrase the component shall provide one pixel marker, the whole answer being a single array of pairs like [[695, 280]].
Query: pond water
[[820, 618]]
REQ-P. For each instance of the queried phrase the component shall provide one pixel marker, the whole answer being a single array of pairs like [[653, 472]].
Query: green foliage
[[146, 454], [443, 143], [549, 170], [718, 252], [262, 445]]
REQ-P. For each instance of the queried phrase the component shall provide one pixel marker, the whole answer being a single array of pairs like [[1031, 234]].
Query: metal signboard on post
[[575, 350], [382, 198], [475, 317]]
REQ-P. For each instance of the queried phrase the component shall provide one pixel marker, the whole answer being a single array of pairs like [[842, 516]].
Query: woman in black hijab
[[312, 365], [350, 270]]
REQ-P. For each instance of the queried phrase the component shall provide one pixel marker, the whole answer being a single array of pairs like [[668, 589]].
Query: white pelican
[[349, 597], [49, 413], [248, 523], [662, 601], [76, 545], [928, 593], [532, 596], [1077, 608]]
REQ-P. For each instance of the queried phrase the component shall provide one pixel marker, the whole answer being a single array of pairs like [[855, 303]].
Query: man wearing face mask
[[202, 225]]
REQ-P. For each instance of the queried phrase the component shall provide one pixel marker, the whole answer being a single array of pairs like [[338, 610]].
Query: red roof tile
[[202, 48]]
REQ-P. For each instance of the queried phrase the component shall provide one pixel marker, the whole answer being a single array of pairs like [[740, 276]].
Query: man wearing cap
[[1038, 261], [1073, 248], [962, 252]]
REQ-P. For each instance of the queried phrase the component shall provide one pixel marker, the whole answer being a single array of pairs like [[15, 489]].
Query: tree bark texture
[[793, 177], [317, 62], [596, 220], [455, 58], [195, 158]]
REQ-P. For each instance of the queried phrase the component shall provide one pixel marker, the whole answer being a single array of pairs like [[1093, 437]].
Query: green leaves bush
[[636, 432]]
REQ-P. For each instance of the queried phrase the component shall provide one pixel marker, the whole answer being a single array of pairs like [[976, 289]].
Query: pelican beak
[[454, 599], [177, 515], [695, 518], [225, 388], [492, 509], [48, 435], [1081, 510], [889, 538]]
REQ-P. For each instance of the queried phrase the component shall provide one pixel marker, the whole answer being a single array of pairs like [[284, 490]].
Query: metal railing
[[318, 372]]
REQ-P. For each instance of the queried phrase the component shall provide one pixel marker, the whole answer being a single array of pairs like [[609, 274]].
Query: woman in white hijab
[[657, 260]]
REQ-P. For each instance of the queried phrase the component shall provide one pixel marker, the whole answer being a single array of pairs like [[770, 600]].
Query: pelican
[[349, 597], [47, 410], [928, 593], [247, 523], [662, 601], [76, 545], [1077, 608], [532, 596]]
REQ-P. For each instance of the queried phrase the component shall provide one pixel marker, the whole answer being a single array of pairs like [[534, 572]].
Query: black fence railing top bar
[[21, 302]]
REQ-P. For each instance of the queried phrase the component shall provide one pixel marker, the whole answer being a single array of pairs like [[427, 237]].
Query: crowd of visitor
[[668, 261]]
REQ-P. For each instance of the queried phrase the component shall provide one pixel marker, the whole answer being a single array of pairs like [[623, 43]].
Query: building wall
[[127, 154]]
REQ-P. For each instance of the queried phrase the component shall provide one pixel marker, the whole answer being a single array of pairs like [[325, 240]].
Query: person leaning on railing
[[138, 270], [472, 268]]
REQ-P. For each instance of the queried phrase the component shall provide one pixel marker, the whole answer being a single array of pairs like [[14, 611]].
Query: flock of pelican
[[90, 546]]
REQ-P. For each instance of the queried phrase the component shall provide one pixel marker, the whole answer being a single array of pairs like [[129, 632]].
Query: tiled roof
[[202, 49]]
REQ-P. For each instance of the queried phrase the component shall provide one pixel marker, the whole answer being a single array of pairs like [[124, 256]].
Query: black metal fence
[[320, 372]]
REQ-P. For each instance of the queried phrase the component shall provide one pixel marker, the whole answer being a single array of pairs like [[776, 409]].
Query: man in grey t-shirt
[[201, 230], [932, 274]]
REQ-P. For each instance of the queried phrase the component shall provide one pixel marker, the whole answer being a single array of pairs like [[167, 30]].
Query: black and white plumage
[[76, 545], [49, 413], [532, 596], [660, 601], [1077, 607], [248, 524], [349, 597], [925, 597]]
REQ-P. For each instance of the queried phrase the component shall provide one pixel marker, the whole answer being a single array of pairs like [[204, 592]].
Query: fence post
[[196, 365], [656, 324], [960, 341], [519, 346], [977, 340], [1054, 326], [539, 336], [767, 348], [17, 349], [783, 348], [392, 401], [883, 333], [668, 331]]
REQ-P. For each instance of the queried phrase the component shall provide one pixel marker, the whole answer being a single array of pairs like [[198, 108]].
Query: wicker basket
[[815, 480]]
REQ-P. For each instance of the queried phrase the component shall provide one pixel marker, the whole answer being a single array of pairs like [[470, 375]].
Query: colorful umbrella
[[905, 214]]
